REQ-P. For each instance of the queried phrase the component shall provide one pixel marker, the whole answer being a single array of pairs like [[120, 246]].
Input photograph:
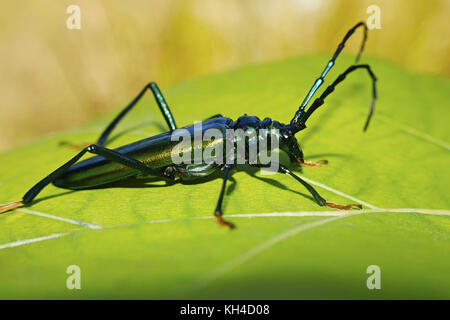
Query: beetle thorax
[[282, 132]]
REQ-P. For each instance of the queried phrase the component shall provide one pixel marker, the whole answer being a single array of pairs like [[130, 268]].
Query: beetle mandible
[[151, 157]]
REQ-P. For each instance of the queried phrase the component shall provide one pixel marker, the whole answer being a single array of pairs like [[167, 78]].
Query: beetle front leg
[[296, 156], [317, 163], [320, 201]]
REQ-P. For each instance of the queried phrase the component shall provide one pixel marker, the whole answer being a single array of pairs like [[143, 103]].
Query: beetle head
[[286, 138], [289, 144]]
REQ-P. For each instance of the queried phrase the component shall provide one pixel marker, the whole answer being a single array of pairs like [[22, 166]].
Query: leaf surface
[[160, 241]]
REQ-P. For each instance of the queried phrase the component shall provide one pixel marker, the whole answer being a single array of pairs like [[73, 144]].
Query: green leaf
[[161, 241]]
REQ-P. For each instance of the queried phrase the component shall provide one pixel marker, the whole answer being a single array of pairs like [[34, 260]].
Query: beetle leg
[[58, 173], [320, 201], [317, 163], [342, 207], [218, 212], [73, 145], [163, 106], [10, 206]]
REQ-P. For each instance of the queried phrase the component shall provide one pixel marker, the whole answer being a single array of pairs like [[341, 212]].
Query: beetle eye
[[286, 133]]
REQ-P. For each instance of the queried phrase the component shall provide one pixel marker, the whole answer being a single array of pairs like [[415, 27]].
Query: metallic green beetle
[[152, 157]]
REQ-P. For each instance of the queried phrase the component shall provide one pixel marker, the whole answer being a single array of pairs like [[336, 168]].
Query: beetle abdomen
[[155, 152], [86, 175]]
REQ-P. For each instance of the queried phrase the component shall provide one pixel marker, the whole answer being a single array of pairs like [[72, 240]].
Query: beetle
[[151, 157]]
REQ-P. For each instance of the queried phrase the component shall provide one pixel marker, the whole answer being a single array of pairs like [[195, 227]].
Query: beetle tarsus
[[10, 206], [343, 207], [317, 163], [223, 222], [74, 146]]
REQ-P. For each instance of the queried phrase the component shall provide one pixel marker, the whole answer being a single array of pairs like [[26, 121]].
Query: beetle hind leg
[[163, 106], [109, 154], [10, 206]]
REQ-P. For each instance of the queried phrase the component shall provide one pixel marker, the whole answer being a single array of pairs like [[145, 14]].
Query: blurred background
[[53, 78]]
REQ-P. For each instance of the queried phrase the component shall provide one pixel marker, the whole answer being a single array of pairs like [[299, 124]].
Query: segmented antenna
[[295, 121]]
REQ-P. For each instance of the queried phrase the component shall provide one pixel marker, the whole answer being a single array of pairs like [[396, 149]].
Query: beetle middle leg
[[58, 173], [218, 212], [163, 106], [320, 201]]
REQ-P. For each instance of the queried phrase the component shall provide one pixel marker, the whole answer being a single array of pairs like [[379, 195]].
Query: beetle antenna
[[319, 101], [372, 104], [10, 206], [300, 112]]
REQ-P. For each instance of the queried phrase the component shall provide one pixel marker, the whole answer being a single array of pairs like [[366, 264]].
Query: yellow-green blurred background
[[53, 78]]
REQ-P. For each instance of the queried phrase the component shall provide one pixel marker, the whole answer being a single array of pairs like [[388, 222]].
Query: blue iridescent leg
[[163, 106], [218, 212]]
